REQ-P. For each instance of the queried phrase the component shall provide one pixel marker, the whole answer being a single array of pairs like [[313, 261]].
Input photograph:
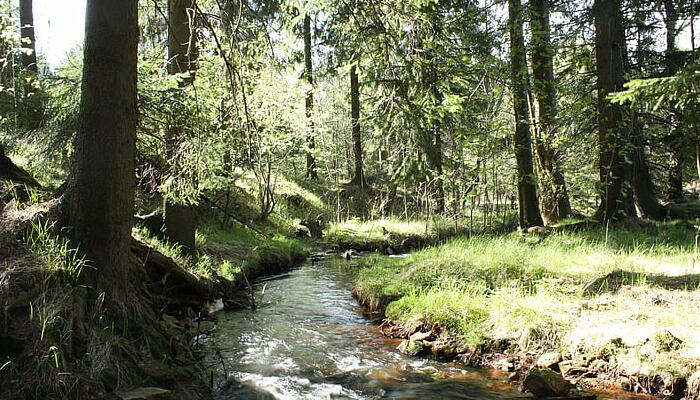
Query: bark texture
[[614, 121], [309, 75], [180, 220], [553, 194], [26, 19], [529, 212], [645, 199], [100, 195], [675, 138], [359, 175]]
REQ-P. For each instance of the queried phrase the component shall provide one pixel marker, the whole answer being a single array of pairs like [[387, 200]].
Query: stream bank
[[309, 339], [618, 313]]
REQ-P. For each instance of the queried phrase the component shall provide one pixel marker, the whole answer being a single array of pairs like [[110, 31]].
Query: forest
[[356, 199]]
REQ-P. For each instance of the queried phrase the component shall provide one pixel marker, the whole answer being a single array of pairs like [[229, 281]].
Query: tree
[[179, 218], [359, 176], [99, 201], [309, 75], [614, 127], [28, 46], [529, 213], [553, 193], [675, 137]]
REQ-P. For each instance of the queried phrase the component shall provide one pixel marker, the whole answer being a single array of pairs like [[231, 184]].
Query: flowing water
[[309, 340]]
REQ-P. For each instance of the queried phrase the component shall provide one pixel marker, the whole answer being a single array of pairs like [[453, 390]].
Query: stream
[[309, 340]]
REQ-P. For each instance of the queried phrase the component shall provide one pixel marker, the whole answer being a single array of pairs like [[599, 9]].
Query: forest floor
[[619, 309]]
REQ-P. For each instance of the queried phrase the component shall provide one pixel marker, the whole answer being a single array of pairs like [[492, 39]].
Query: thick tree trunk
[[529, 212], [675, 141], [553, 194], [309, 75], [100, 195], [359, 176], [614, 125], [179, 220], [26, 18]]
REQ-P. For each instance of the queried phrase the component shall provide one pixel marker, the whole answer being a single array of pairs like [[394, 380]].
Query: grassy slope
[[511, 286]]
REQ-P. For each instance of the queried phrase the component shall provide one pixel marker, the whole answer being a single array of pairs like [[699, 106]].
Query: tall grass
[[500, 285]]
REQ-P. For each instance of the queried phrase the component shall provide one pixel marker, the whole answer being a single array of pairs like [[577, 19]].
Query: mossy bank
[[617, 308]]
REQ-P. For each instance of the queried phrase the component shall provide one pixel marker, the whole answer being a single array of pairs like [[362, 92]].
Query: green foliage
[[54, 252], [483, 285]]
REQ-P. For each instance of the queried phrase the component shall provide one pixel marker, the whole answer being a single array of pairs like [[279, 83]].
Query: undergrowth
[[491, 287]]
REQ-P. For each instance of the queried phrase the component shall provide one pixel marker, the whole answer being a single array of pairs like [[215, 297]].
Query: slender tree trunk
[[29, 113], [553, 194], [28, 46], [614, 125], [645, 199], [359, 176], [437, 157], [675, 141], [180, 219], [439, 184], [309, 75], [100, 195], [529, 212]]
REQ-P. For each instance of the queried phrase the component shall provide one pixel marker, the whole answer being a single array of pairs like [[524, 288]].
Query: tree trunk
[[359, 178], [437, 156], [614, 127], [179, 219], [529, 212], [646, 202], [553, 194], [28, 46], [9, 171], [29, 113], [100, 195], [645, 199], [309, 75], [675, 141]]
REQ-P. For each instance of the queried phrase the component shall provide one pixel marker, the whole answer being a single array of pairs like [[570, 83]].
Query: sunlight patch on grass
[[505, 286]]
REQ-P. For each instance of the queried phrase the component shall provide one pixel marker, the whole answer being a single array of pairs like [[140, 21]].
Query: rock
[[693, 387], [515, 376], [215, 306], [412, 348], [599, 366], [503, 364], [302, 232], [673, 386], [537, 230], [543, 382], [420, 336], [664, 341], [146, 393], [573, 367], [549, 360], [350, 254]]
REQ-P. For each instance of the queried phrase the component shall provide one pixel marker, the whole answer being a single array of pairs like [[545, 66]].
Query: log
[[171, 280]]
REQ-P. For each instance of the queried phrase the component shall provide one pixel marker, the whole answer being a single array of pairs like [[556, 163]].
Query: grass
[[235, 253], [507, 287], [392, 231]]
